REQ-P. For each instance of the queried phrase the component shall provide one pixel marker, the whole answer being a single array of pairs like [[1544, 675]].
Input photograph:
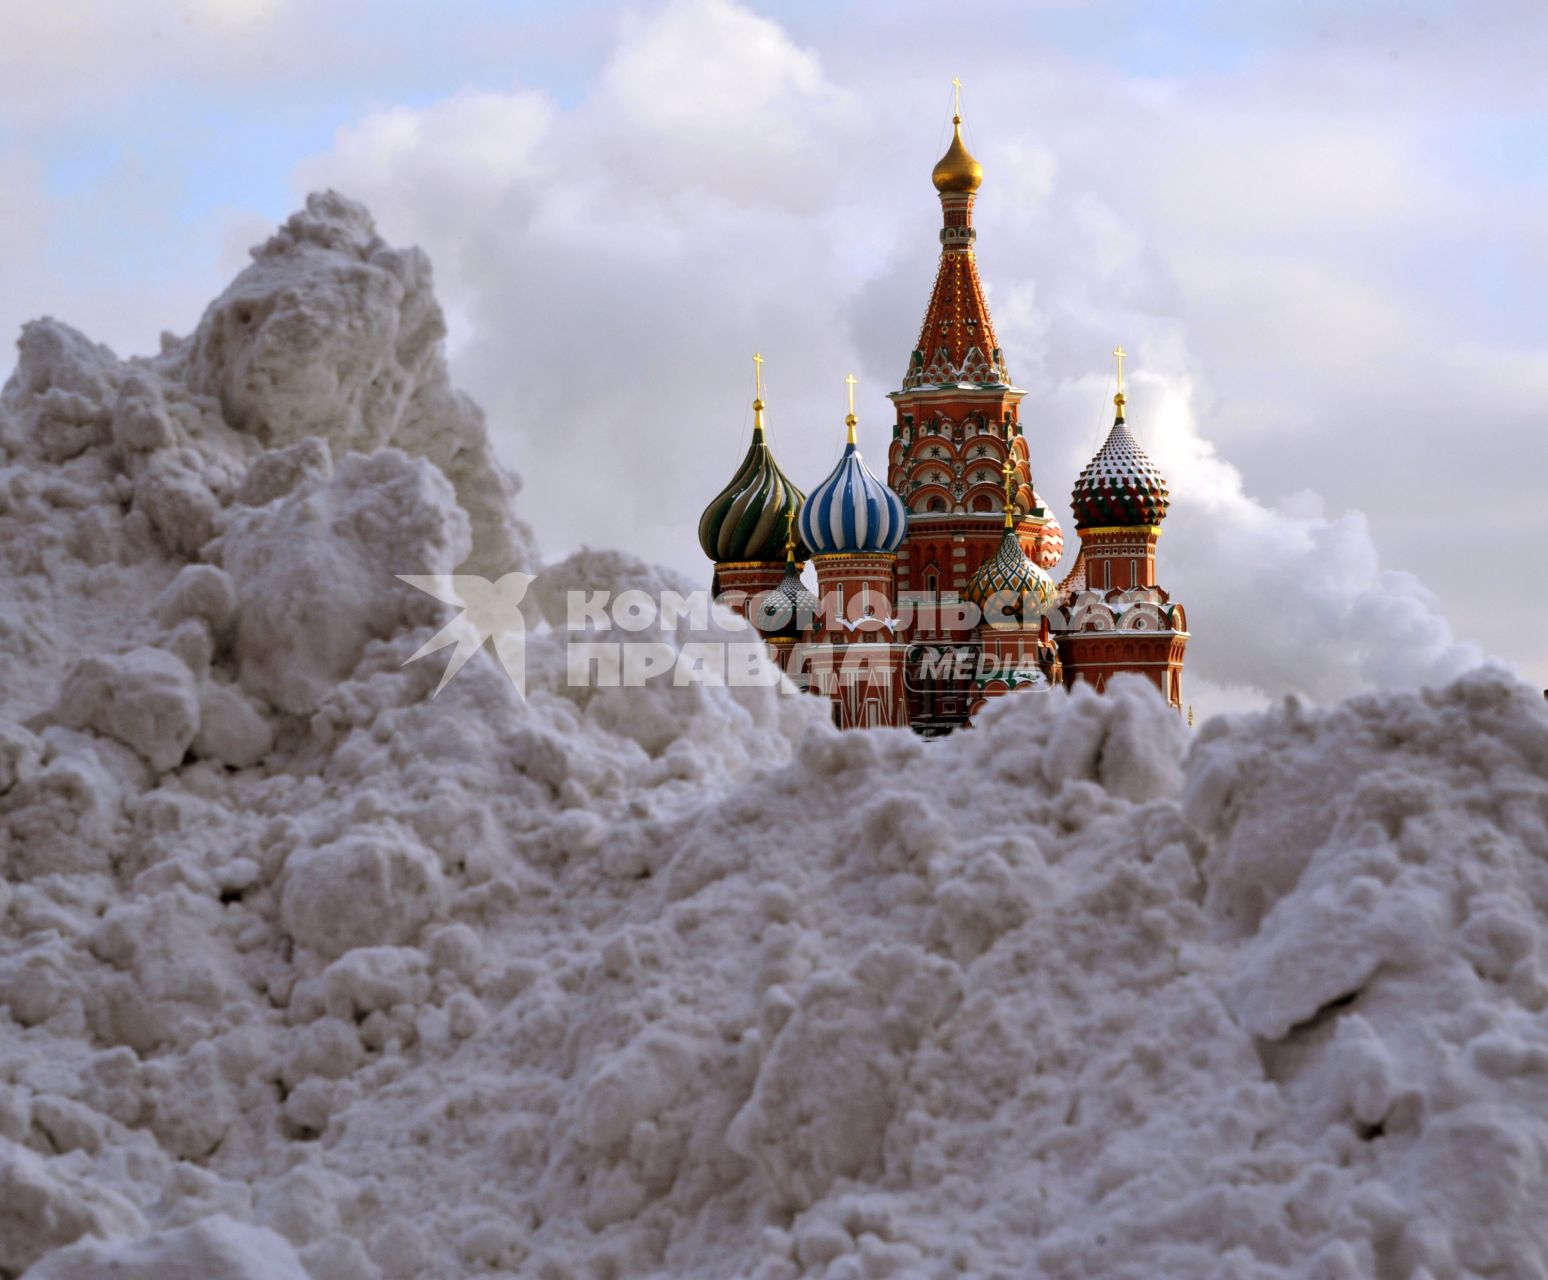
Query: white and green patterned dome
[[1009, 584]]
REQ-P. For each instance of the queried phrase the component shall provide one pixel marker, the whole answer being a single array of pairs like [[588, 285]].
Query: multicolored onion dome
[[787, 610], [852, 511], [1050, 538], [746, 521], [1120, 486], [1015, 585]]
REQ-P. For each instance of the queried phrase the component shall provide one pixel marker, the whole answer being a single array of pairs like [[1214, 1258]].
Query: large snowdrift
[[305, 973]]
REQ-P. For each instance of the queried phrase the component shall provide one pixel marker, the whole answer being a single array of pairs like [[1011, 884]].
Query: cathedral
[[934, 591]]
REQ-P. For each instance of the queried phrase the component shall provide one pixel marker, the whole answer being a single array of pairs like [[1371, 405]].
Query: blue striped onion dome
[[787, 610], [1015, 585], [746, 521], [852, 511], [1120, 487]]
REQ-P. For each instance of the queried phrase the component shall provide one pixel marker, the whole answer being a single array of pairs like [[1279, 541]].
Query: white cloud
[[1285, 596], [66, 57], [22, 204], [707, 96], [240, 15]]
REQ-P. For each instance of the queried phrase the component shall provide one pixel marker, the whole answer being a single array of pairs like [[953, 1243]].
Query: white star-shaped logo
[[490, 611]]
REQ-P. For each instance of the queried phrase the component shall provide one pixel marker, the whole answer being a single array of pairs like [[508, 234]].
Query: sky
[[1316, 228]]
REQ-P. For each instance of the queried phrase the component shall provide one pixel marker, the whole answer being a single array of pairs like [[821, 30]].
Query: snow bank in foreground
[[306, 974]]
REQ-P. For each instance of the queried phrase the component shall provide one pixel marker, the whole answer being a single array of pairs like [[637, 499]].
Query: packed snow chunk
[[326, 333], [1327, 948], [173, 494], [145, 699], [825, 1094], [365, 980], [1126, 738], [215, 1248], [199, 591], [339, 1257], [42, 983], [316, 572], [331, 333], [141, 422], [1473, 1184], [276, 472], [374, 887], [44, 1206], [61, 391], [230, 728], [169, 942], [64, 818], [21, 751], [634, 1085]]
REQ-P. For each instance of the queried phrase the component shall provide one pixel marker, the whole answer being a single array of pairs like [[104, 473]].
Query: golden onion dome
[[957, 170]]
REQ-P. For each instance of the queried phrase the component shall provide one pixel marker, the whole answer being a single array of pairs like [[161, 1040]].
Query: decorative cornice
[[1154, 530], [839, 558]]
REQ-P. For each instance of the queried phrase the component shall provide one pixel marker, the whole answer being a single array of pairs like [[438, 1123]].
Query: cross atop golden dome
[[957, 170]]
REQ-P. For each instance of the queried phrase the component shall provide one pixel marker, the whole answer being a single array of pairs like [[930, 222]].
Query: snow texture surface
[[304, 973]]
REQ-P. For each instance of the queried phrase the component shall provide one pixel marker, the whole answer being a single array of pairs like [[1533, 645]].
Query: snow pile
[[305, 973]]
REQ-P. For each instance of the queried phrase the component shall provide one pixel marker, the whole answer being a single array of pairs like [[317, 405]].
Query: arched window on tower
[[983, 503], [937, 504]]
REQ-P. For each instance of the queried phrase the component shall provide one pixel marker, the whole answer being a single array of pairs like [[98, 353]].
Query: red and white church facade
[[933, 588]]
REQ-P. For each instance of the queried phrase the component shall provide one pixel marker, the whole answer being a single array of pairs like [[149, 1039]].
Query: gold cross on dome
[[850, 383], [758, 373], [1119, 353], [956, 96]]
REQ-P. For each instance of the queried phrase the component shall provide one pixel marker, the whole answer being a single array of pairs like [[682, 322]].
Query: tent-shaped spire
[[957, 343]]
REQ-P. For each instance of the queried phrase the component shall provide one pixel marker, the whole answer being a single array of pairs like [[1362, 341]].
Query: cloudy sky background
[[1317, 229]]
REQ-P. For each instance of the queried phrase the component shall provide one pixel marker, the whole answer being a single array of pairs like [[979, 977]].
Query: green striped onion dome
[[1016, 586], [746, 521], [1120, 487]]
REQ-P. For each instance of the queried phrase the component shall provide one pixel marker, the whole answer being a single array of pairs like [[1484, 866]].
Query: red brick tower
[[853, 524], [1017, 650], [1117, 617], [957, 427]]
